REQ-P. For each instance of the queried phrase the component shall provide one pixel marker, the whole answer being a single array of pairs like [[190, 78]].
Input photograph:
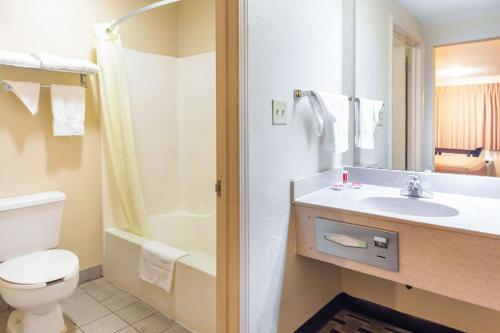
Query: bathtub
[[192, 300]]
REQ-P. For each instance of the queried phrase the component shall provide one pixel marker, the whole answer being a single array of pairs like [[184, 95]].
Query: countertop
[[477, 215]]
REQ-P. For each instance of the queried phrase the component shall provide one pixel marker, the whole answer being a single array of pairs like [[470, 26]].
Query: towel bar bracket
[[298, 94], [83, 80]]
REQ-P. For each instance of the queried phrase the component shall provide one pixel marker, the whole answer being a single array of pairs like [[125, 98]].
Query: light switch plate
[[279, 113]]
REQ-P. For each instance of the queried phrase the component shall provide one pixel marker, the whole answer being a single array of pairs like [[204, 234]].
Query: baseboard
[[91, 273], [375, 311]]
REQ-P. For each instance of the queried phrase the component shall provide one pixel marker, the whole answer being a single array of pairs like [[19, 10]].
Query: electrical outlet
[[279, 113]]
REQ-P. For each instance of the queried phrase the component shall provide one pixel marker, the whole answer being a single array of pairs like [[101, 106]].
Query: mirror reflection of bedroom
[[467, 108]]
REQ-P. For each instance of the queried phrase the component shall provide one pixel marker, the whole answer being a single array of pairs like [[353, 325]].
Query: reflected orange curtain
[[467, 116]]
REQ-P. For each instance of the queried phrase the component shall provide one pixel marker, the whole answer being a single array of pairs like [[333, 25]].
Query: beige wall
[[154, 32], [31, 159], [180, 30], [196, 26]]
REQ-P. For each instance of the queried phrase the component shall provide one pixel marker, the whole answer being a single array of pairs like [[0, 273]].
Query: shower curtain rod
[[139, 12]]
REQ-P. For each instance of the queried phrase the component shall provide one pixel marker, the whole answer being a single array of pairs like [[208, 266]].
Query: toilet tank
[[30, 223]]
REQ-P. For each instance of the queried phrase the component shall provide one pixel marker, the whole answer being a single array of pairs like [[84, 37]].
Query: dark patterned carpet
[[350, 322]]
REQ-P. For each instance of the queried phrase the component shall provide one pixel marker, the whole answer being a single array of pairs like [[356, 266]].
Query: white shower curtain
[[119, 137]]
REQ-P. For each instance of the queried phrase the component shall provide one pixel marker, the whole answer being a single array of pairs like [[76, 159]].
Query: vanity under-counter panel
[[371, 246], [453, 263]]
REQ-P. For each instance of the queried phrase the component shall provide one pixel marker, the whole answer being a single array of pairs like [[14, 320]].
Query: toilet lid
[[39, 267]]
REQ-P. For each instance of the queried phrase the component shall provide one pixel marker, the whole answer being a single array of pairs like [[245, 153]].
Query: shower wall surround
[[173, 110]]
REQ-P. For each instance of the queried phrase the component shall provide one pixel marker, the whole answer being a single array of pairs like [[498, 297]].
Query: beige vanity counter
[[460, 261]]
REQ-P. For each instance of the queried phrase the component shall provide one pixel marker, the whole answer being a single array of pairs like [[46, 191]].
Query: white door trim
[[244, 170], [415, 107]]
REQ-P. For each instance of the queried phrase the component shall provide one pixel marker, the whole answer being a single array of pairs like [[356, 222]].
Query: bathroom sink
[[408, 206]]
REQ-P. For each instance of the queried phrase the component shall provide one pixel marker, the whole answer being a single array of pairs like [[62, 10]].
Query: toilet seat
[[37, 270]]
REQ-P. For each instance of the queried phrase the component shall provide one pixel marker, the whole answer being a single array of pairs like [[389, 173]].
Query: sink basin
[[409, 206]]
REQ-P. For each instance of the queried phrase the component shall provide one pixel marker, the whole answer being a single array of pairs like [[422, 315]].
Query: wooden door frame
[[228, 165], [415, 110]]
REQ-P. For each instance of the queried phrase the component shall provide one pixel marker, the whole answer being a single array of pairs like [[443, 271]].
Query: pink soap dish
[[337, 187], [356, 185]]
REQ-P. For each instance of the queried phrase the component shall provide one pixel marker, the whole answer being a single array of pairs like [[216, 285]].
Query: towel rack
[[83, 75], [83, 83], [7, 88], [298, 94]]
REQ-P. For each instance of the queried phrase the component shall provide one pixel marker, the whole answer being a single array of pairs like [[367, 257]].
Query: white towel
[[157, 264], [331, 115], [27, 92], [18, 59], [52, 62], [68, 110], [368, 119]]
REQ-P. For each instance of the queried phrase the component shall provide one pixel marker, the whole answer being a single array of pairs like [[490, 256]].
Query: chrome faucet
[[414, 188]]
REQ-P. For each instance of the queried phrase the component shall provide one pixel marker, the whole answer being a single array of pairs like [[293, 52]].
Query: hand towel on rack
[[368, 119], [52, 62], [157, 264], [68, 110], [331, 113], [18, 59], [27, 92]]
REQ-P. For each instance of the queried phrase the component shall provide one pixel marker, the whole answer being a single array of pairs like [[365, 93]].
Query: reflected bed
[[461, 164]]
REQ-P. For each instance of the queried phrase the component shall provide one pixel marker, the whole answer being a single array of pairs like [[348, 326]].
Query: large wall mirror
[[427, 85]]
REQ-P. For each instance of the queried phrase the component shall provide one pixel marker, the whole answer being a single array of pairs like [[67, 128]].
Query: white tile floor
[[100, 307]]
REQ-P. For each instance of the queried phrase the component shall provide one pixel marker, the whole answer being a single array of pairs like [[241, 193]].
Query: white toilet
[[34, 276]]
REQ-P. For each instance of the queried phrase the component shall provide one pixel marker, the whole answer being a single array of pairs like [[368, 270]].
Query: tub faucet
[[414, 188]]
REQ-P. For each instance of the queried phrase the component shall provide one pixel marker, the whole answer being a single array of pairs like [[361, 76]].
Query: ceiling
[[470, 60], [439, 11]]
